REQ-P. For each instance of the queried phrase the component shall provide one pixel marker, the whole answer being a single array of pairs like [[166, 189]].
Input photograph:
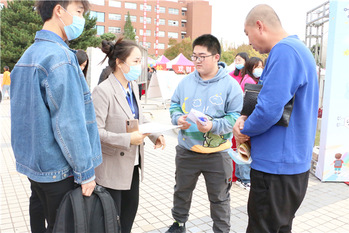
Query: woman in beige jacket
[[116, 102]]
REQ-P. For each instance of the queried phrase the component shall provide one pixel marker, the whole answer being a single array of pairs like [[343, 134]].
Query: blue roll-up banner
[[333, 162]]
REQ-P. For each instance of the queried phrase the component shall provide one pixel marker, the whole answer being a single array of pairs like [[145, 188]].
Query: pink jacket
[[237, 78], [247, 79]]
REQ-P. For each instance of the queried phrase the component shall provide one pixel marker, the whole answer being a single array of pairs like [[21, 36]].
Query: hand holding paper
[[197, 116], [183, 123]]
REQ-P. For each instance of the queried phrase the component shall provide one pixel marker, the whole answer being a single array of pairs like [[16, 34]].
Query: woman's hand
[[160, 142], [137, 138]]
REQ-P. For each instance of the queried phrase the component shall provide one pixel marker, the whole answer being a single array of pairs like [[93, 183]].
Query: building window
[[1, 5], [183, 13], [130, 5], [161, 21], [183, 36], [161, 33], [161, 9], [98, 15], [147, 44], [160, 46], [141, 6], [173, 35], [148, 32], [114, 3], [148, 19], [173, 11], [172, 23], [132, 17], [100, 30], [97, 2], [114, 29], [114, 16], [183, 25]]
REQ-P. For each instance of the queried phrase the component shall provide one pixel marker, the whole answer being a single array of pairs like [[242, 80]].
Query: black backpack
[[81, 214]]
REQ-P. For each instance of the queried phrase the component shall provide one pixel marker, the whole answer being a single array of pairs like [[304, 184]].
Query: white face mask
[[75, 29], [257, 72], [134, 73]]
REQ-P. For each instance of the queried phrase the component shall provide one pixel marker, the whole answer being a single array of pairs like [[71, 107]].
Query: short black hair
[[45, 8], [210, 42], [6, 68]]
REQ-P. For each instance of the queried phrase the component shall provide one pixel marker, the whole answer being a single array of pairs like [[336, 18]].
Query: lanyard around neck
[[128, 96]]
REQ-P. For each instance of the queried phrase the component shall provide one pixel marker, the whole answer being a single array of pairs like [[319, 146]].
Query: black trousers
[[127, 202], [274, 200], [36, 213], [50, 196]]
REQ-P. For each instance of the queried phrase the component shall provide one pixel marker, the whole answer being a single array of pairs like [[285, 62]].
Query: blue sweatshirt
[[290, 70], [220, 98]]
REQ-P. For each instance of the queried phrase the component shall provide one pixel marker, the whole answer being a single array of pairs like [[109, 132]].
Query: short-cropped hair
[[45, 8], [210, 42]]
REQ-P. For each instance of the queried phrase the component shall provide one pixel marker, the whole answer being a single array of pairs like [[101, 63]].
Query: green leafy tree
[[228, 55], [108, 36], [129, 32], [88, 37], [184, 47], [19, 23], [315, 50]]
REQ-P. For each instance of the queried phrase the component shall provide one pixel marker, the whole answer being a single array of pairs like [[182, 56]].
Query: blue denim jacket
[[54, 132]]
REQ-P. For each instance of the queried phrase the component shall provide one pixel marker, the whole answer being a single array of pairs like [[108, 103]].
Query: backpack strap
[[111, 224], [79, 211]]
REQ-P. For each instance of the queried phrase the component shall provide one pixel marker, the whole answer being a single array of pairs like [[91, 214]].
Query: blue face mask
[[134, 73], [257, 72], [239, 66], [75, 29]]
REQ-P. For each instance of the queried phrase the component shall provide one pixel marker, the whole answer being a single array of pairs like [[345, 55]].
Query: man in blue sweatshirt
[[202, 149], [281, 155]]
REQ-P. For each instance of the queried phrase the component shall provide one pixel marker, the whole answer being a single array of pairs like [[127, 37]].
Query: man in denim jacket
[[54, 132]]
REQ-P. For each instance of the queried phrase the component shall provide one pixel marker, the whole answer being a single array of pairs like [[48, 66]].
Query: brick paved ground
[[325, 208]]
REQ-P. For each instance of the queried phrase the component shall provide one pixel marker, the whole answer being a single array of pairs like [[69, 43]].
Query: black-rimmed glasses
[[200, 58]]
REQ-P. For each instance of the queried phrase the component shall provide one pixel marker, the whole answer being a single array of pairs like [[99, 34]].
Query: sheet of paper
[[195, 115], [153, 127]]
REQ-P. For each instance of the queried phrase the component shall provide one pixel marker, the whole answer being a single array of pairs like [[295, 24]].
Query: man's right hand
[[183, 122], [87, 189], [239, 125]]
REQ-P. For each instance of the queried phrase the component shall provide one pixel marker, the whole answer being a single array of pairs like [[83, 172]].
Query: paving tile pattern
[[325, 208]]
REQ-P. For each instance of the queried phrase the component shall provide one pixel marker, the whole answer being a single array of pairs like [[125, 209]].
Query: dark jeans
[[274, 200], [127, 202], [50, 195], [36, 213]]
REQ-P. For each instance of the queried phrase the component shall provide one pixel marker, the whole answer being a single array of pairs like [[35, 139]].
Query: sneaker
[[243, 185], [239, 183], [246, 186], [176, 228]]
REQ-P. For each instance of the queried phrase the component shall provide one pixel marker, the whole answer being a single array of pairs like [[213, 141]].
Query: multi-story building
[[177, 19]]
